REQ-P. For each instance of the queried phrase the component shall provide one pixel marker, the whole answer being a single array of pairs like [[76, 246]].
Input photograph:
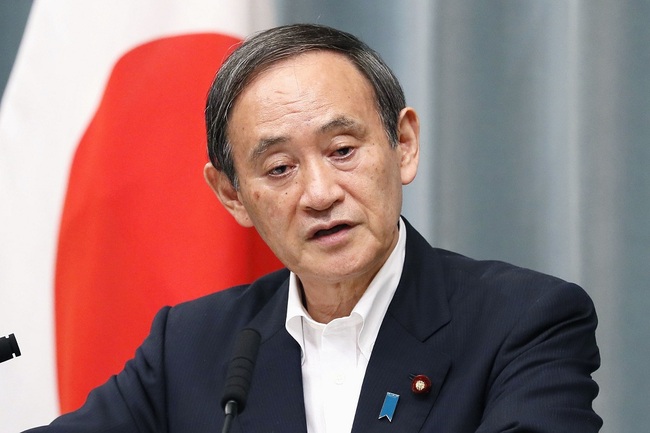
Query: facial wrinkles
[[285, 108], [278, 124], [295, 101]]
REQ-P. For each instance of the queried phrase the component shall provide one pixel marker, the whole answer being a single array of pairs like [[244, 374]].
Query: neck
[[326, 302]]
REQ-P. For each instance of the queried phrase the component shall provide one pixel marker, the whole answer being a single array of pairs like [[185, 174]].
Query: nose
[[320, 186]]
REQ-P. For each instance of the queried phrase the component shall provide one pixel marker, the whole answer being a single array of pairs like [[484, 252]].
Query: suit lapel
[[275, 402], [409, 342], [395, 358]]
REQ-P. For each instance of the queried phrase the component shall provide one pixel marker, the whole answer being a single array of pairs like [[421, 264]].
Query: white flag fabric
[[84, 123]]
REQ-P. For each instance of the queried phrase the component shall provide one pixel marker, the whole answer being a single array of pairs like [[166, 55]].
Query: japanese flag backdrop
[[104, 213]]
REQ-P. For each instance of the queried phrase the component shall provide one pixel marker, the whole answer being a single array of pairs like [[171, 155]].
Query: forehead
[[302, 93], [315, 71]]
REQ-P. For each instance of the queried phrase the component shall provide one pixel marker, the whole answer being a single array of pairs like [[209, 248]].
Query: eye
[[343, 151], [279, 170]]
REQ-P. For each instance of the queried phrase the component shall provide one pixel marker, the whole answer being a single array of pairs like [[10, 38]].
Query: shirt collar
[[371, 307]]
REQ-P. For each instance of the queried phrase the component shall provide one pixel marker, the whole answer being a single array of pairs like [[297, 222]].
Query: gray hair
[[262, 50]]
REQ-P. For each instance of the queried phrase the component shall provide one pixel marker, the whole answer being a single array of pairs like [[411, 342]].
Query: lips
[[330, 231]]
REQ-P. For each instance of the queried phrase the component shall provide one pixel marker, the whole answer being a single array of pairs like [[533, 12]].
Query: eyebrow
[[264, 144], [340, 122]]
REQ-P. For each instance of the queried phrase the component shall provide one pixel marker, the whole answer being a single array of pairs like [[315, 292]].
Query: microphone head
[[240, 370], [8, 348]]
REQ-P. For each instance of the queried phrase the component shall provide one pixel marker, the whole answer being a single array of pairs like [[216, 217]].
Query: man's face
[[317, 176]]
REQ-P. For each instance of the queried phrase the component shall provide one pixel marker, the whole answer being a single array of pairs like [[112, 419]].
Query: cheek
[[382, 178], [383, 189], [269, 208]]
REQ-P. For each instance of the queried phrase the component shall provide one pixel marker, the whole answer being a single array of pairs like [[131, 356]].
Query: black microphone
[[8, 347], [240, 371]]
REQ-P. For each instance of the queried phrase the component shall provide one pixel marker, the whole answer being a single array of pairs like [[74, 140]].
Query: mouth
[[330, 231]]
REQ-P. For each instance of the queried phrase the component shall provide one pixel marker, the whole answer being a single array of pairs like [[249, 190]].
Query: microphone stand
[[230, 411]]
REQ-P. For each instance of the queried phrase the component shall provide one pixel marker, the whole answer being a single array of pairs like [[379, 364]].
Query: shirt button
[[339, 378]]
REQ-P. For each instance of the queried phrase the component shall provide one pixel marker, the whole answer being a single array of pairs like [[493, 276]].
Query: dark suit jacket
[[506, 349]]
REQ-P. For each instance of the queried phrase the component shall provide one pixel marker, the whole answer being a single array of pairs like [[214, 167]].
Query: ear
[[408, 144], [227, 194]]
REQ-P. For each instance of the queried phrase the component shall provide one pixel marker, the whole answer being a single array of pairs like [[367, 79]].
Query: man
[[369, 329]]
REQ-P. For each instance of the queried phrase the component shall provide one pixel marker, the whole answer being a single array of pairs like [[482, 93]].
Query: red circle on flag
[[140, 227]]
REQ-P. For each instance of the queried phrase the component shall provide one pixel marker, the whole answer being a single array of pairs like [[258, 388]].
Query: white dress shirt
[[335, 355]]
